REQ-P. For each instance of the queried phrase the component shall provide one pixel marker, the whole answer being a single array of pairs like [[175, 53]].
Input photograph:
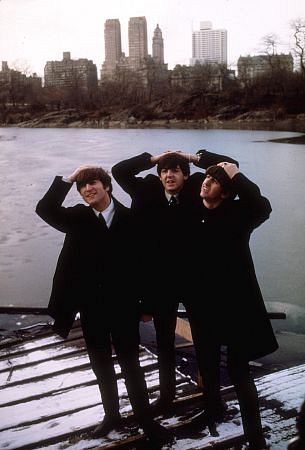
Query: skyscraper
[[137, 39], [113, 46], [208, 45], [158, 46]]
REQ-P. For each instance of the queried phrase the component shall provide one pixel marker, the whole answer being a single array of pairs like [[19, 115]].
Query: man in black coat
[[163, 206], [94, 263], [225, 306]]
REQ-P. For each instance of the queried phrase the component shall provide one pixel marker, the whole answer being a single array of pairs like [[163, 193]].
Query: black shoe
[[162, 406], [108, 424], [157, 434]]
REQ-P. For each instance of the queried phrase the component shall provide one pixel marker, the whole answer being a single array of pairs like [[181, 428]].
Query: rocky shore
[[72, 118]]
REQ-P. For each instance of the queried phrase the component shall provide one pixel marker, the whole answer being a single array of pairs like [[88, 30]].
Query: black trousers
[[165, 319], [208, 352], [101, 329]]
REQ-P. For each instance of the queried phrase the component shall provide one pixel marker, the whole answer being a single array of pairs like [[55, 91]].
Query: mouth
[[90, 196]]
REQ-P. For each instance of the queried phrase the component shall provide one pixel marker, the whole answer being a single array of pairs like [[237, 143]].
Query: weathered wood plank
[[53, 402], [44, 370]]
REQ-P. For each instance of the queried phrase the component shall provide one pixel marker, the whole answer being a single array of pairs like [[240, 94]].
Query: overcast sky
[[35, 31]]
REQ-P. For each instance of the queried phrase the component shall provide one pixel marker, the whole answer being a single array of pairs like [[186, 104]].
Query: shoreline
[[255, 120], [300, 140], [284, 126]]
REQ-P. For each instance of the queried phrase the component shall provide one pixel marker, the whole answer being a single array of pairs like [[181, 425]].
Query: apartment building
[[252, 67], [113, 46], [78, 74], [209, 45], [137, 42]]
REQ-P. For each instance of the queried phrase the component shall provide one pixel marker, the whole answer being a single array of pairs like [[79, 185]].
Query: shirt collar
[[108, 213], [168, 196]]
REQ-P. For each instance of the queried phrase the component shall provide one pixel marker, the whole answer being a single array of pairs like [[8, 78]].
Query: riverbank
[[72, 118], [291, 140]]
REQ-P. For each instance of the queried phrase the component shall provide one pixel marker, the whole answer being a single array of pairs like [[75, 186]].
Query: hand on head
[[230, 168], [77, 171]]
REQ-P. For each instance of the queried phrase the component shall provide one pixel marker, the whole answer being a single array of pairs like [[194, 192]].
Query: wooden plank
[[42, 370], [38, 331], [272, 315], [26, 392], [30, 310], [41, 354], [54, 403], [183, 329]]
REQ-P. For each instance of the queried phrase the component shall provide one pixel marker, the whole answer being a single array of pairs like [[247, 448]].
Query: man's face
[[95, 194], [211, 190], [173, 179]]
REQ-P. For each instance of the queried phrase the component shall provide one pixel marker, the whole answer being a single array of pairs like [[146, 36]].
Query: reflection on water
[[30, 158]]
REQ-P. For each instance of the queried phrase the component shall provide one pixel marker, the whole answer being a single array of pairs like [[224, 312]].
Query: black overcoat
[[163, 234], [147, 192], [225, 289], [94, 266]]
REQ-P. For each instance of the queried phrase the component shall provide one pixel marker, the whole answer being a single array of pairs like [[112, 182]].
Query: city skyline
[[33, 32]]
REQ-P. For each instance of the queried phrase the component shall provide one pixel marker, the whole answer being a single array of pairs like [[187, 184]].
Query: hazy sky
[[35, 31]]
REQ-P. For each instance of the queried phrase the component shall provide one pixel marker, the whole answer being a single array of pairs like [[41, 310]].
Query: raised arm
[[125, 172], [205, 159], [202, 158], [50, 208], [256, 208]]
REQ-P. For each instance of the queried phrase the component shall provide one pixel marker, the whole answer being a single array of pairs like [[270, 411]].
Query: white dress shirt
[[108, 213]]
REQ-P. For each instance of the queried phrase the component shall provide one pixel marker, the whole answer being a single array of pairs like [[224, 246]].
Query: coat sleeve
[[125, 173], [50, 208], [208, 159], [255, 208]]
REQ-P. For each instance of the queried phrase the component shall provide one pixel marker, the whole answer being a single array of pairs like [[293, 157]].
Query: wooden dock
[[49, 400]]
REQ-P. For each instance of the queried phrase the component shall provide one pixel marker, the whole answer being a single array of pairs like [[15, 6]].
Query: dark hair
[[222, 177], [93, 173], [171, 161]]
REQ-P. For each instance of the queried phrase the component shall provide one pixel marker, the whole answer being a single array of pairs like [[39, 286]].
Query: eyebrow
[[214, 179], [171, 168]]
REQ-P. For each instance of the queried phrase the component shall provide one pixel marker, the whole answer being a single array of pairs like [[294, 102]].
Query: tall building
[[113, 46], [208, 45], [158, 46], [137, 39], [251, 67], [80, 74]]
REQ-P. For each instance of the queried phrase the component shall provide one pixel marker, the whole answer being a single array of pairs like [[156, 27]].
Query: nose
[[170, 172]]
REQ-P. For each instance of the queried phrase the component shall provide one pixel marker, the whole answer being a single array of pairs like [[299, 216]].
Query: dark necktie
[[102, 219], [172, 201]]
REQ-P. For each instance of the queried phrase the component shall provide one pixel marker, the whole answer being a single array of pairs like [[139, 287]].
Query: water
[[30, 158]]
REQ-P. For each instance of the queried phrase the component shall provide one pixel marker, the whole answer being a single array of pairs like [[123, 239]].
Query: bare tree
[[270, 43], [23, 66], [298, 27]]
